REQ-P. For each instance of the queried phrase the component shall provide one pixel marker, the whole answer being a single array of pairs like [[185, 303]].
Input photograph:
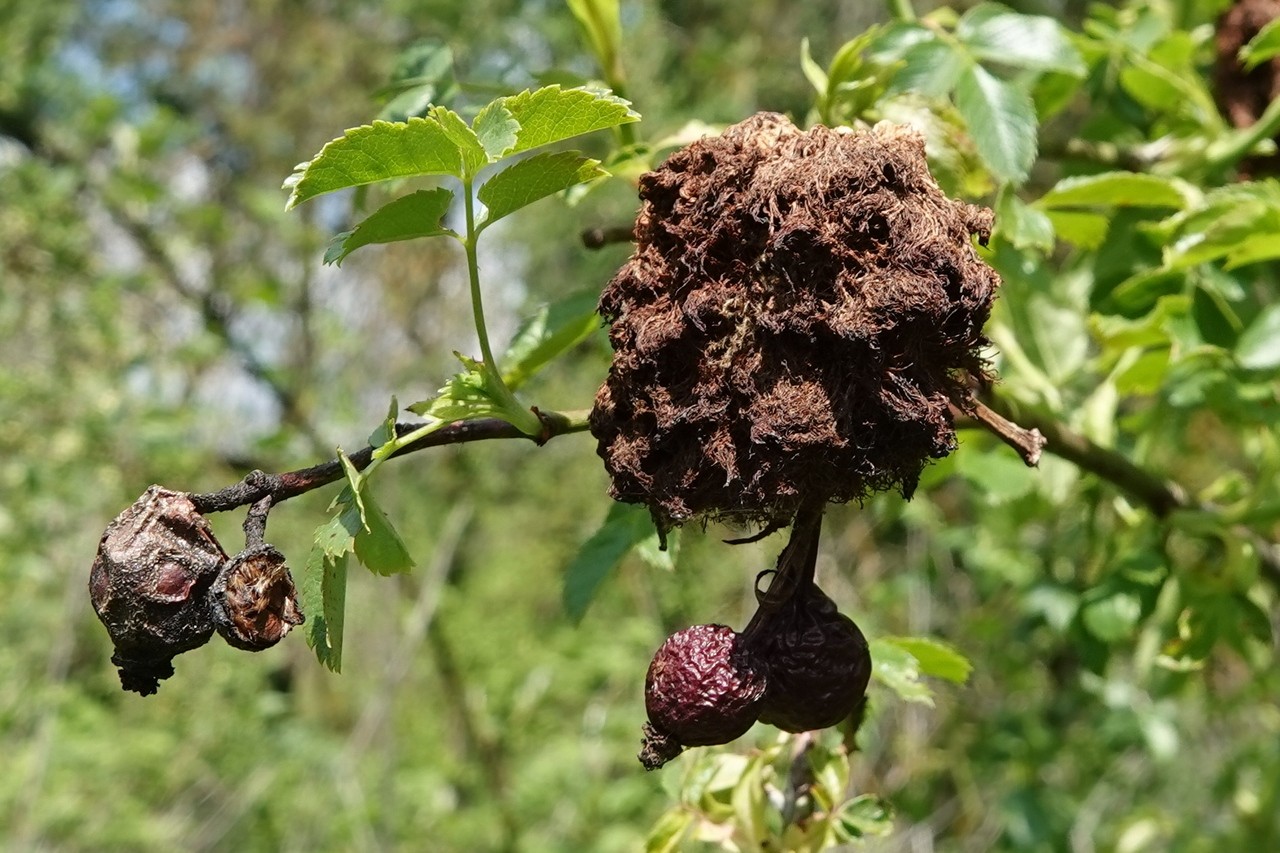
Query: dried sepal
[[253, 600]]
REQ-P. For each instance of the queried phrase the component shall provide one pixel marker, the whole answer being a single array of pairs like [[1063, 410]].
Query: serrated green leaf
[[1115, 189], [323, 598], [535, 178], [624, 527], [1001, 120], [552, 114], [333, 537], [1259, 345], [376, 152], [553, 329], [997, 34], [472, 153], [496, 129], [409, 217], [898, 669], [379, 546], [1262, 47], [1021, 224], [466, 396], [935, 658], [931, 69]]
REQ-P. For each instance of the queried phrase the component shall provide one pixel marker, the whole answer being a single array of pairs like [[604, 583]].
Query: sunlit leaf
[[624, 527], [322, 595], [1002, 121], [535, 178], [408, 217], [552, 114], [552, 329], [997, 34], [1116, 189], [377, 152], [1259, 345], [935, 658], [1262, 47]]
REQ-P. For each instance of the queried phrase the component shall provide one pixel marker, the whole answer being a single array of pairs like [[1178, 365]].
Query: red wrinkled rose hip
[[703, 687]]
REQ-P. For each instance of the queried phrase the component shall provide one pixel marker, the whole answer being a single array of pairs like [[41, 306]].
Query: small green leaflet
[[899, 663], [324, 593], [377, 152], [1117, 189], [408, 217], [625, 527], [1259, 344], [995, 33], [1002, 121], [496, 129], [535, 178], [932, 67], [1263, 46], [603, 25], [552, 114], [377, 545], [550, 331]]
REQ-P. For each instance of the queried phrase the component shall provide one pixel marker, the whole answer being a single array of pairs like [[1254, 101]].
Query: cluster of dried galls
[[162, 585], [801, 313]]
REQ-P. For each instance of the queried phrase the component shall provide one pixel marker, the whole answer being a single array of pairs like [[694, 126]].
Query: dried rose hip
[[703, 687], [818, 663], [253, 600], [800, 310], [149, 584]]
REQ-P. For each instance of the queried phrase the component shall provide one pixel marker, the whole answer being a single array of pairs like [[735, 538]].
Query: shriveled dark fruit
[[253, 600], [818, 663], [150, 582], [798, 312], [703, 688]]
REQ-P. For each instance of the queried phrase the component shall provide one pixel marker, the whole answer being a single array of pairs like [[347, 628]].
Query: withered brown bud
[[818, 663], [703, 687], [798, 312], [253, 600], [150, 581]]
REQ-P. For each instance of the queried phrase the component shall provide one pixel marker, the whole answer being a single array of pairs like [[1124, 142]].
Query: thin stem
[[1239, 144], [473, 274], [280, 487]]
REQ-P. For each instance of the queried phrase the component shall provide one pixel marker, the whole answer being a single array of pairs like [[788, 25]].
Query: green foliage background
[[162, 319]]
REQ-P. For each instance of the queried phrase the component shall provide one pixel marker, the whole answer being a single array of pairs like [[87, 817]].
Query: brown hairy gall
[[799, 309]]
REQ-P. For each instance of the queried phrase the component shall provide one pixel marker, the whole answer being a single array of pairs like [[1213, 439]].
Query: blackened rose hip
[[149, 584]]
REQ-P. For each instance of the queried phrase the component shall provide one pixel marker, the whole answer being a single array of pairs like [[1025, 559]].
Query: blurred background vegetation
[[162, 320]]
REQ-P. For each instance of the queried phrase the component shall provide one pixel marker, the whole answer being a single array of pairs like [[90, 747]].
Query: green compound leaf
[[324, 595], [496, 129], [935, 658], [624, 528], [1262, 47], [552, 114], [408, 217], [1002, 121], [535, 178], [553, 329], [997, 34], [1116, 189], [377, 152]]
